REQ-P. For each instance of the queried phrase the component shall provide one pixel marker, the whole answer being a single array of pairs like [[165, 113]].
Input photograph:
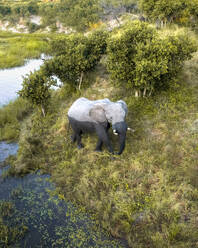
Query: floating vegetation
[[11, 229], [32, 215]]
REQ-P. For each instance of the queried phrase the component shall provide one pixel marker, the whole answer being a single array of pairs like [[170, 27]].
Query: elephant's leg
[[73, 137], [108, 126], [99, 145], [77, 132], [78, 138], [103, 136]]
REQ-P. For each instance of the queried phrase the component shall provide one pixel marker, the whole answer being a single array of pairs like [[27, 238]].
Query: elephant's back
[[80, 109]]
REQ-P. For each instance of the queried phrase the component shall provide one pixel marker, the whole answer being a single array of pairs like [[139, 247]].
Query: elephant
[[86, 116]]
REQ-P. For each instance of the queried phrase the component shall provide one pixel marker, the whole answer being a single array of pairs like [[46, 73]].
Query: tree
[[49, 13], [168, 10], [193, 8], [122, 50], [32, 7], [5, 10], [36, 88], [139, 59], [79, 13], [75, 55], [115, 8]]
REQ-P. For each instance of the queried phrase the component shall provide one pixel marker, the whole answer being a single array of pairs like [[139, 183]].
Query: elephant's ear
[[97, 114], [124, 105]]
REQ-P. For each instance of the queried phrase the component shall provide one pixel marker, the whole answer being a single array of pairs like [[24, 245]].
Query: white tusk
[[114, 131], [130, 129]]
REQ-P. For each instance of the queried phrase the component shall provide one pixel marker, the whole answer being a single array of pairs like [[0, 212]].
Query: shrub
[[5, 10], [80, 13], [75, 55], [36, 89], [32, 27], [180, 11], [141, 60]]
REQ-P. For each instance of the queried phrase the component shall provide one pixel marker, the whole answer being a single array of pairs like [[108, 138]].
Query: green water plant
[[9, 234]]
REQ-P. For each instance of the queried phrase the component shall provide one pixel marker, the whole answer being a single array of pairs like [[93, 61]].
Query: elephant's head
[[115, 113]]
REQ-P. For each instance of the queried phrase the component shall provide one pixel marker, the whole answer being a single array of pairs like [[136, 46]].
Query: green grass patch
[[148, 195], [11, 117], [16, 48]]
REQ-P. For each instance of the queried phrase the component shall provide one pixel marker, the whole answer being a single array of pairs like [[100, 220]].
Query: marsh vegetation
[[32, 215], [149, 194], [15, 49]]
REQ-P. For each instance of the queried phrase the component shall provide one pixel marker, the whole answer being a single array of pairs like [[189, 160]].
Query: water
[[49, 221], [7, 149], [11, 80]]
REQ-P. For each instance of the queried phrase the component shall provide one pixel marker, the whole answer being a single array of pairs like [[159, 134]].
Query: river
[[49, 220], [11, 79]]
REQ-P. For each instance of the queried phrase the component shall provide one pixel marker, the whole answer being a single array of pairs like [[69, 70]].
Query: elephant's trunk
[[122, 138], [120, 129]]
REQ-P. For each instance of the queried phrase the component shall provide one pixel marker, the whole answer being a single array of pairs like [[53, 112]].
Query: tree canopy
[[75, 55], [80, 13], [139, 59], [36, 89], [169, 10]]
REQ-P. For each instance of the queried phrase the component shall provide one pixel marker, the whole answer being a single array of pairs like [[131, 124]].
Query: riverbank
[[13, 114], [15, 48]]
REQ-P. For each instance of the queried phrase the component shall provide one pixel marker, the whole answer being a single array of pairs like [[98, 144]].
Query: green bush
[[49, 13], [80, 13], [139, 59], [32, 27], [5, 10], [36, 89], [179, 11], [75, 55]]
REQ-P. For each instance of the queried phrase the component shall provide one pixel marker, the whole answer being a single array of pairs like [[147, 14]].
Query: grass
[[149, 194], [11, 117], [16, 48]]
